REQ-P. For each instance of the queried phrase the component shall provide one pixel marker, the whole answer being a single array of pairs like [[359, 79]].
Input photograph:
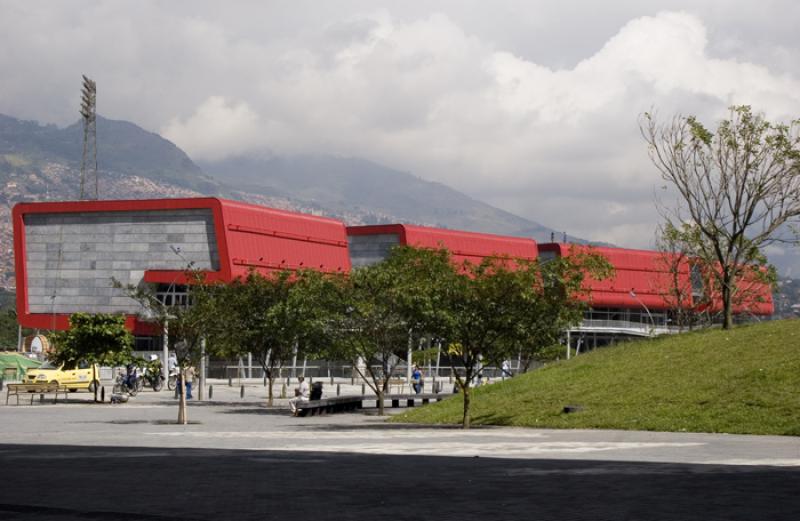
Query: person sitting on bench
[[300, 395]]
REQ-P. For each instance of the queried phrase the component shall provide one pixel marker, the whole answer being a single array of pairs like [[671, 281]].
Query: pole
[[165, 349], [294, 360], [438, 357], [409, 357], [19, 337], [249, 365], [202, 369], [569, 341]]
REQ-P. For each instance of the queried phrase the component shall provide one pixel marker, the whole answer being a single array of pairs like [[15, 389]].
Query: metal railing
[[626, 326]]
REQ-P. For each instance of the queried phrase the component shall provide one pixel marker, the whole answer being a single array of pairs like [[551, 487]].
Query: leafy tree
[[186, 324], [559, 287], [8, 329], [8, 321], [369, 324], [738, 188], [98, 339], [491, 311], [675, 259], [101, 338], [274, 317], [375, 312], [484, 317]]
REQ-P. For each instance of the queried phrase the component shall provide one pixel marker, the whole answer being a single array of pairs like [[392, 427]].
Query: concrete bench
[[352, 403], [33, 389], [413, 398], [330, 405]]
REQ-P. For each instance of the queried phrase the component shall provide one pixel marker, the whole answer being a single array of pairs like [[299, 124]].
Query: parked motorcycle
[[154, 379], [152, 374], [126, 383], [172, 380]]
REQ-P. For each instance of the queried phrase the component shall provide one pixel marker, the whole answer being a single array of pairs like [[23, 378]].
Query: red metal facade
[[266, 239], [649, 275], [463, 246], [646, 273], [248, 236], [753, 296], [269, 240]]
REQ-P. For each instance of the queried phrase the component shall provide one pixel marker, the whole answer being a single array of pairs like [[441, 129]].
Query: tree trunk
[[182, 412], [271, 380], [380, 394], [465, 421], [727, 304], [95, 382]]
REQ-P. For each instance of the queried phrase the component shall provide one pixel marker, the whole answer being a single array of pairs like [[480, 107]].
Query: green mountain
[[42, 163], [356, 190], [122, 149]]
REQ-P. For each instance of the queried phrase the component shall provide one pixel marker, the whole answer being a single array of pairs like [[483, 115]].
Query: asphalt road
[[243, 461]]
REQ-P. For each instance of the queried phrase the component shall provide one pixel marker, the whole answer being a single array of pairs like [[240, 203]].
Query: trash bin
[[316, 391]]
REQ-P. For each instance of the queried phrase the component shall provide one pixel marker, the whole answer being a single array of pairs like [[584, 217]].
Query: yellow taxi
[[76, 376]]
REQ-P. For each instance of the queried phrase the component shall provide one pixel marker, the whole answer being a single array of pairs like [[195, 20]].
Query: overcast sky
[[530, 106]]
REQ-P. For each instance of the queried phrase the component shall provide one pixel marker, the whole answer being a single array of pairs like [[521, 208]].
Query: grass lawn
[[746, 380]]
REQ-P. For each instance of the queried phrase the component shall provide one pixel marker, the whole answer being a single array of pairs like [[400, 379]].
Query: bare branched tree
[[675, 287], [738, 188]]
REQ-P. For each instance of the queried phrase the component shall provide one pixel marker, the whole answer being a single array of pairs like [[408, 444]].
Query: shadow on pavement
[[386, 426], [262, 409], [76, 483]]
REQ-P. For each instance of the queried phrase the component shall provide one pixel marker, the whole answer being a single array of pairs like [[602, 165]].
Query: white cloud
[[542, 123], [217, 129]]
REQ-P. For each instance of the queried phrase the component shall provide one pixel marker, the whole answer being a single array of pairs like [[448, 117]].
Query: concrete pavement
[[238, 459]]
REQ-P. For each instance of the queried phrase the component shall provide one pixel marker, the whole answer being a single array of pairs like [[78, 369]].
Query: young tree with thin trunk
[[738, 191], [503, 306], [273, 316], [485, 318], [559, 304], [370, 325], [98, 339], [187, 324], [676, 287]]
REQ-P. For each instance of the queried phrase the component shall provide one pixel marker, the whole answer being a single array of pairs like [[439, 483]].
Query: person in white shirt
[[300, 395], [506, 371], [172, 361]]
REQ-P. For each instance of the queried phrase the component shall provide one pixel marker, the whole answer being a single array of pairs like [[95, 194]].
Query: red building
[[66, 253], [371, 244], [646, 293]]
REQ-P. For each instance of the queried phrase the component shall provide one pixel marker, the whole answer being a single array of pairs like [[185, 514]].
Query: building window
[[173, 295]]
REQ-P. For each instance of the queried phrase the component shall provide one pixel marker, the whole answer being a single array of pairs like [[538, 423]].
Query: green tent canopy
[[13, 365]]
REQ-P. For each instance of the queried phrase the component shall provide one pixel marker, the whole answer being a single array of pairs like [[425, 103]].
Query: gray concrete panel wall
[[71, 258], [370, 249]]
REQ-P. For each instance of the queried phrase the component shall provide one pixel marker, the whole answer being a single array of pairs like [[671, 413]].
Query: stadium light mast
[[89, 114]]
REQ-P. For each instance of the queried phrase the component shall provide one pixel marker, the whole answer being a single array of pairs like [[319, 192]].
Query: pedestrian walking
[[188, 378]]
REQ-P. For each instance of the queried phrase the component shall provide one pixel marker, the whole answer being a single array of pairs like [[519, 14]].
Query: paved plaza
[[238, 459]]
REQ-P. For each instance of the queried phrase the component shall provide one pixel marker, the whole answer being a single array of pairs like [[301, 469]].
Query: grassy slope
[[742, 381]]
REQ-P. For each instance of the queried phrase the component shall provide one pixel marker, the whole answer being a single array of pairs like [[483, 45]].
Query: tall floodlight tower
[[89, 114]]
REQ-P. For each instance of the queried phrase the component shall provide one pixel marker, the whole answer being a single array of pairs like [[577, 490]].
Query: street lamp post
[[652, 321]]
